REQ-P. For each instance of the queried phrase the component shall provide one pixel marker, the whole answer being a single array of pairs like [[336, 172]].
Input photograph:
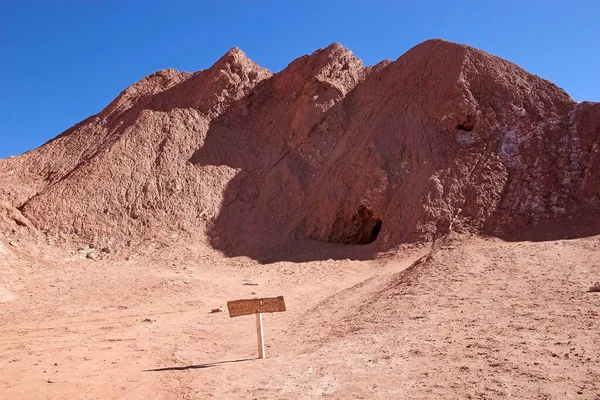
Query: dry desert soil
[[472, 317]]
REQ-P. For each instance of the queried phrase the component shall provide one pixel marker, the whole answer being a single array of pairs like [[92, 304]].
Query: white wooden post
[[261, 338]]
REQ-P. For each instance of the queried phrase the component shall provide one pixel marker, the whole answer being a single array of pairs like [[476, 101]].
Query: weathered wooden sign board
[[238, 308], [255, 306]]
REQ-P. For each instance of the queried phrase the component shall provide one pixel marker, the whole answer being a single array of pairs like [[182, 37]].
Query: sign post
[[238, 308], [260, 335]]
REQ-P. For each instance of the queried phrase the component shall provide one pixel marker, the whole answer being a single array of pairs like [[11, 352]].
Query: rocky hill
[[445, 138]]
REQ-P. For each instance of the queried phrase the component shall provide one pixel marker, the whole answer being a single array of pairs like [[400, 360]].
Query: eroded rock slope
[[447, 137]]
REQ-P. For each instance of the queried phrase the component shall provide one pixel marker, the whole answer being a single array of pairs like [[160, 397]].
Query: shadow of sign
[[197, 366]]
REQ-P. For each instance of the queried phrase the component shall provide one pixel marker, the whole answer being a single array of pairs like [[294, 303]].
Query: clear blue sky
[[62, 61]]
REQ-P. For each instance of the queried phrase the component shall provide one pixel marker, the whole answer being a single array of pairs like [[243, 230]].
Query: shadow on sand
[[197, 366], [581, 225]]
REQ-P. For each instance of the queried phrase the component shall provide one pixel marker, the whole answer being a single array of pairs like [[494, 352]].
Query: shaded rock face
[[445, 138], [123, 176]]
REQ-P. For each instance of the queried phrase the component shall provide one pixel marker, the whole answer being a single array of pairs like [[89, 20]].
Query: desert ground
[[464, 317]]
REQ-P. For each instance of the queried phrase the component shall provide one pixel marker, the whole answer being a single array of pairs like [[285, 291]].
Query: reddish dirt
[[474, 318], [362, 194]]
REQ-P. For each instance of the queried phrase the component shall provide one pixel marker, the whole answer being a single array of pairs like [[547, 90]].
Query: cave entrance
[[376, 230], [361, 228]]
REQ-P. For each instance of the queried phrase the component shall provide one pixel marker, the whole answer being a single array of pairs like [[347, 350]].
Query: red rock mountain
[[445, 138]]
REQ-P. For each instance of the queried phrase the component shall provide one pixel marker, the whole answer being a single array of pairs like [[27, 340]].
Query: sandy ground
[[470, 318]]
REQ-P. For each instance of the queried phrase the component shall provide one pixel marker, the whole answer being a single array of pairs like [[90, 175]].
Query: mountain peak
[[334, 50], [235, 52], [233, 56], [335, 46], [323, 61], [236, 60]]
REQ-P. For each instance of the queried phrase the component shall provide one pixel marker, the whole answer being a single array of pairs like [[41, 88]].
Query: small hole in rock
[[462, 127]]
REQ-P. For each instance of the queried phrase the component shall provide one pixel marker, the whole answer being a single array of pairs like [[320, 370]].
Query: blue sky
[[62, 61]]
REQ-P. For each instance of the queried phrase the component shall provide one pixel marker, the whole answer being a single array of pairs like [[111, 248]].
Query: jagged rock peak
[[333, 48], [235, 58], [236, 51], [235, 54], [335, 51], [333, 65]]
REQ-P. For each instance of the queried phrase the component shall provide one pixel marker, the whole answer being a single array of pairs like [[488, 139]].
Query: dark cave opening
[[376, 230], [361, 228]]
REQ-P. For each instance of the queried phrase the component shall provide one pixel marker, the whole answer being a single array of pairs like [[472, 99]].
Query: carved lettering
[[254, 306]]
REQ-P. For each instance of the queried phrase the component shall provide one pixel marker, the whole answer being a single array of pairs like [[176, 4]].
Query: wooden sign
[[255, 306]]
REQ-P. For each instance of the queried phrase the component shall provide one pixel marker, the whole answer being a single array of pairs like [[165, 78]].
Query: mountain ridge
[[446, 137]]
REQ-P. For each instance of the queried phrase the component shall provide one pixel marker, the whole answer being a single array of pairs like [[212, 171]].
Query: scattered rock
[[595, 287]]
